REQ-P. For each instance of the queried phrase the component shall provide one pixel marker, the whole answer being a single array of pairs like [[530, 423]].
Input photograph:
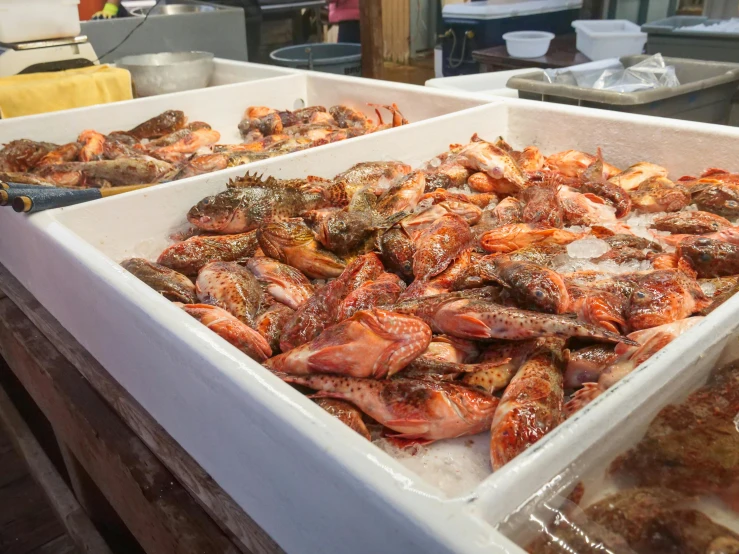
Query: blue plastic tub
[[476, 25], [341, 58]]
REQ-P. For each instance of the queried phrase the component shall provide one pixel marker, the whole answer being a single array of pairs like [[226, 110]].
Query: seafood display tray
[[273, 450], [222, 107], [609, 432], [228, 72]]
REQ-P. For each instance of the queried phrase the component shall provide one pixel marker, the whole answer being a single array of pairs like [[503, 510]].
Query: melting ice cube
[[589, 247]]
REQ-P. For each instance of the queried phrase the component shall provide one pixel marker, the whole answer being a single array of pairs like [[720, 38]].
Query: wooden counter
[[115, 454]]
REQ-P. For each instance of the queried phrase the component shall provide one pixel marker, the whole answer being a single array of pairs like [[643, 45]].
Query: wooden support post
[[370, 25]]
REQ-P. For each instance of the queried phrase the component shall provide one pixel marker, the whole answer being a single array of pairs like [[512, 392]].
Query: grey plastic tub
[[342, 58], [667, 37], [704, 95]]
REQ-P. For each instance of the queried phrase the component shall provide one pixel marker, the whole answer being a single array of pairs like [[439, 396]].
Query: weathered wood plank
[[161, 515], [60, 545], [247, 535], [370, 23], [26, 520], [61, 499]]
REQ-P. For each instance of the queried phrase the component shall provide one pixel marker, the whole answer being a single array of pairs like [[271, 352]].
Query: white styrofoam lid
[[498, 9]]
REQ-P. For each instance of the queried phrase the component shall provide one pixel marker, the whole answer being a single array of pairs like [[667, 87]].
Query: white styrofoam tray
[[228, 72], [223, 107], [310, 482], [597, 440], [481, 85]]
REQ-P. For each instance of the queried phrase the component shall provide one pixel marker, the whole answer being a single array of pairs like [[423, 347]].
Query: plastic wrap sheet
[[612, 75], [671, 487]]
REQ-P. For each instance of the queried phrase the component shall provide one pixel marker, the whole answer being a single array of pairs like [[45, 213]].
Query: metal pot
[[167, 72]]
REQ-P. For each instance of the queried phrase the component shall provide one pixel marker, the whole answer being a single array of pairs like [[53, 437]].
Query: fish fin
[[387, 222], [686, 267], [582, 397], [328, 358], [594, 198], [398, 422], [599, 231], [473, 327], [400, 441], [324, 394], [288, 378]]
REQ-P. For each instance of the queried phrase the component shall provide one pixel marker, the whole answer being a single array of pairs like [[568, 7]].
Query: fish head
[[214, 213], [720, 198], [397, 251], [344, 231], [467, 211], [275, 236], [507, 238], [658, 298], [710, 258], [543, 288]]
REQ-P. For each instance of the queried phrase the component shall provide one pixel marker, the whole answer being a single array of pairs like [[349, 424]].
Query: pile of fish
[[490, 290], [267, 129], [167, 147], [689, 454]]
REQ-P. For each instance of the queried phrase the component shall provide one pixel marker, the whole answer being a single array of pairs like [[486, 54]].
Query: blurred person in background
[[101, 9], [345, 13]]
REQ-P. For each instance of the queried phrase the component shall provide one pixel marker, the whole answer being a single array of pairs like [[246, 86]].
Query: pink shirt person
[[343, 10]]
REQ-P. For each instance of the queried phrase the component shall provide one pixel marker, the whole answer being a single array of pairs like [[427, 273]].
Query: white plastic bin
[[231, 414], [482, 84], [26, 20], [599, 40]]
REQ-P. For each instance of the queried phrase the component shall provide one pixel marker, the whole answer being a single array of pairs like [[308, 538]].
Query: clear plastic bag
[[666, 482], [612, 75]]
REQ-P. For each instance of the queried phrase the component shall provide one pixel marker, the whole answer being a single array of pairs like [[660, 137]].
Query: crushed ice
[[455, 466], [709, 289], [588, 247]]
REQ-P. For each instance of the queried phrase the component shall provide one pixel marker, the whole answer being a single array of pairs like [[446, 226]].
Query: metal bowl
[[174, 9], [167, 72]]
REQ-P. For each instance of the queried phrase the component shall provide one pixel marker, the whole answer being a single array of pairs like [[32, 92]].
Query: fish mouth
[[202, 220]]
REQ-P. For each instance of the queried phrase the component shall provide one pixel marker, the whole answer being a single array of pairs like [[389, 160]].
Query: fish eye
[[704, 257], [731, 204], [640, 295], [539, 293], [206, 201]]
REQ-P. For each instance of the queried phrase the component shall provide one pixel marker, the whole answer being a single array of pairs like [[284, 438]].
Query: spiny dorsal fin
[[251, 180]]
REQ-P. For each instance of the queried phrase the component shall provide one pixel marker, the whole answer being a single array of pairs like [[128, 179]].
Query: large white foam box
[[308, 480], [27, 20]]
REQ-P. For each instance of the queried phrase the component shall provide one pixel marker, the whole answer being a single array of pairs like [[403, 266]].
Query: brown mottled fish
[[419, 411], [231, 329], [292, 242], [232, 287], [167, 282], [190, 255], [163, 124], [371, 343], [247, 205], [345, 412], [469, 315]]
